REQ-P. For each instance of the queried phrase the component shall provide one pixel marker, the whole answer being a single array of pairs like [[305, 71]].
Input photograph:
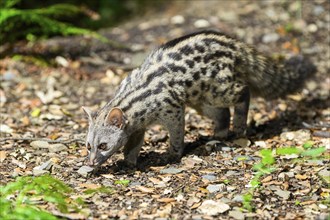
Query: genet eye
[[102, 146]]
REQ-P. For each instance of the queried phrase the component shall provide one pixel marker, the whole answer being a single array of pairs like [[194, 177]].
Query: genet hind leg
[[241, 112], [221, 118]]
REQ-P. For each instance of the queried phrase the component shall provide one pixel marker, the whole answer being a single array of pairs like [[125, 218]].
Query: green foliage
[[268, 162], [315, 152], [247, 200], [122, 182], [102, 189], [18, 199], [40, 22], [287, 151]]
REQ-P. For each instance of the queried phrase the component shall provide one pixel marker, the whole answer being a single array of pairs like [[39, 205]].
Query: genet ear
[[88, 112], [116, 118]]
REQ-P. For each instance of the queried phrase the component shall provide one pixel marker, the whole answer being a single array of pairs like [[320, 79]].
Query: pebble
[[301, 135], [283, 193], [39, 144], [261, 144], [236, 215], [211, 207], [209, 177], [269, 38], [177, 19], [318, 9], [62, 61], [8, 76], [238, 198], [312, 28], [5, 129], [325, 175], [85, 170], [37, 172], [212, 188], [201, 23], [43, 168], [53, 148], [242, 142], [171, 170]]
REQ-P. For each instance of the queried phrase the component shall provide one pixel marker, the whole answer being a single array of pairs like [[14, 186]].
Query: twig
[[68, 141]]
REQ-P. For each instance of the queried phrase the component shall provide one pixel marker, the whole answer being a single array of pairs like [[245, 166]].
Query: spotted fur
[[208, 71]]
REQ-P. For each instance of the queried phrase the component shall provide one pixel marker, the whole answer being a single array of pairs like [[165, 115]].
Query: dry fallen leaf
[[301, 177], [144, 189], [166, 200], [3, 155], [89, 185]]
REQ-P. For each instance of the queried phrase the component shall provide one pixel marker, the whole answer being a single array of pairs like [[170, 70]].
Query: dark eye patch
[[102, 146]]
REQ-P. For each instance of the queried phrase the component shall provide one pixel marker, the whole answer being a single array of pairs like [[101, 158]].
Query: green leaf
[[26, 191], [35, 112], [308, 144], [247, 199], [287, 151], [267, 157], [101, 189], [314, 152], [122, 182]]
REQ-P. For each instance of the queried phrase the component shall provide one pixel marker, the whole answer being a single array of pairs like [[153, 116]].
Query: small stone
[[231, 188], [318, 9], [300, 135], [211, 207], [282, 193], [39, 144], [261, 144], [178, 19], [191, 162], [53, 148], [8, 76], [238, 198], [269, 38], [311, 85], [43, 168], [209, 177], [322, 206], [312, 28], [212, 188], [236, 215], [242, 142], [62, 61], [46, 166], [171, 170], [325, 175], [283, 177], [38, 172], [85, 170], [201, 23]]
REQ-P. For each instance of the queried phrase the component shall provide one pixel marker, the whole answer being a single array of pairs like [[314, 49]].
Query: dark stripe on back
[[175, 41]]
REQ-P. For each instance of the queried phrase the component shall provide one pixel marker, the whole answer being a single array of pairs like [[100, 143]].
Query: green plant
[[122, 182], [20, 199], [102, 189], [40, 22], [247, 199], [267, 165]]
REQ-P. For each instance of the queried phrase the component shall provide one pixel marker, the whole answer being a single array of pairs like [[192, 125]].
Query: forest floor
[[42, 99]]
